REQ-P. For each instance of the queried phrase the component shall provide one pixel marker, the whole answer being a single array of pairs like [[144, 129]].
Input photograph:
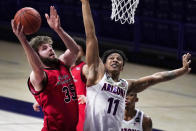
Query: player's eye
[[44, 48]]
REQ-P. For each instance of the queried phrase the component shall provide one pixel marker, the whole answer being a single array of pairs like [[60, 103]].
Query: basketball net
[[124, 10]]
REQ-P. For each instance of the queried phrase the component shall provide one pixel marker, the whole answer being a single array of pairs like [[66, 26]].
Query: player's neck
[[114, 76], [130, 113], [51, 66]]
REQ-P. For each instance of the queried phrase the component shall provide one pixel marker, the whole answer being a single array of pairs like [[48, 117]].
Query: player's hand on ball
[[17, 29]]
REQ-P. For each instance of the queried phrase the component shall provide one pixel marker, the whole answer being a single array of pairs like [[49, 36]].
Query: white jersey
[[134, 124], [105, 105]]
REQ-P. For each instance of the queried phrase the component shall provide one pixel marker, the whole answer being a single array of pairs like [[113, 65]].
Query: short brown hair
[[39, 40]]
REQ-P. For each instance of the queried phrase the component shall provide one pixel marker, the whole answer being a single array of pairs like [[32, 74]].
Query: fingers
[[12, 23], [53, 11], [82, 102], [36, 107], [186, 57], [58, 19], [22, 28], [189, 62], [13, 26], [81, 99], [189, 69], [186, 62], [17, 29], [47, 16]]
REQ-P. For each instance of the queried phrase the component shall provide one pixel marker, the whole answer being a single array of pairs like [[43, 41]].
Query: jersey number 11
[[111, 101]]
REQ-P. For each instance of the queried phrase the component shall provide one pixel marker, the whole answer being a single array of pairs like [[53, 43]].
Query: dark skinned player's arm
[[95, 65], [141, 84]]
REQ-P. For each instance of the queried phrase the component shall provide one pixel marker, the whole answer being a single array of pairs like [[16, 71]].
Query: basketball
[[29, 18]]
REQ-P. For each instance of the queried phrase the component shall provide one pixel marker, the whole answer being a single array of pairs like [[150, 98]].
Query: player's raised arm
[[72, 49], [95, 65], [144, 82], [33, 58]]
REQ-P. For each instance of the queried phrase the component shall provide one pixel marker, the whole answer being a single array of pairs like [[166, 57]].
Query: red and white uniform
[[80, 83], [58, 100]]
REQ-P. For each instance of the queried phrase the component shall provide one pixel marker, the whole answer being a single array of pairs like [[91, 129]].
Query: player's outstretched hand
[[53, 20], [186, 62]]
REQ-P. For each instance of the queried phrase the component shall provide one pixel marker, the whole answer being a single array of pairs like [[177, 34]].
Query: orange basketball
[[29, 18]]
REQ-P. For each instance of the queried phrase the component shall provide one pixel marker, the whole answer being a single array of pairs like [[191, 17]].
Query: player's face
[[46, 51], [114, 63], [131, 99]]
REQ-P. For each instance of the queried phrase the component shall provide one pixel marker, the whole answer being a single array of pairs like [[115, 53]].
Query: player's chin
[[115, 70], [127, 103], [127, 107]]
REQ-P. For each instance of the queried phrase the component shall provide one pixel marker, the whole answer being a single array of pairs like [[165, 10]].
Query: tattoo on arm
[[169, 75], [140, 86], [146, 83]]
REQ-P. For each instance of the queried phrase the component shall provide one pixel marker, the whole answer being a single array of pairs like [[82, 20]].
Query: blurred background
[[163, 29]]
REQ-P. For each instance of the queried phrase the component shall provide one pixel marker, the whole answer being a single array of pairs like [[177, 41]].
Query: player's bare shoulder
[[95, 73], [147, 123], [130, 83]]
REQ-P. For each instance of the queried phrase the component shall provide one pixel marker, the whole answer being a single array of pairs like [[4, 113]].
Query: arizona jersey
[[58, 100], [105, 105], [80, 83], [134, 124]]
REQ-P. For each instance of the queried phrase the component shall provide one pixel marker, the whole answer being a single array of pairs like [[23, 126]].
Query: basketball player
[[105, 90], [50, 80], [78, 71], [134, 119]]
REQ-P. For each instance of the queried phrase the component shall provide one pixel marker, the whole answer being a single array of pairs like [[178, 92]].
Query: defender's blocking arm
[[95, 65], [144, 82]]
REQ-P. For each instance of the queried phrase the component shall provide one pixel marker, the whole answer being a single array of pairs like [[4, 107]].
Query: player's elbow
[[91, 36], [76, 50], [157, 77], [91, 41]]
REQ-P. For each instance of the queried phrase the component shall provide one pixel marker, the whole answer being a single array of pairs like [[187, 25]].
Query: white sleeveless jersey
[[134, 124], [105, 105]]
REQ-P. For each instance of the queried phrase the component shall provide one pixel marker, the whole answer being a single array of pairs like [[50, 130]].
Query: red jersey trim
[[54, 68], [82, 75], [32, 89]]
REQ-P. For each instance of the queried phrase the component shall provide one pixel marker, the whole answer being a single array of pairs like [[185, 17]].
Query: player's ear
[[137, 99], [122, 68]]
